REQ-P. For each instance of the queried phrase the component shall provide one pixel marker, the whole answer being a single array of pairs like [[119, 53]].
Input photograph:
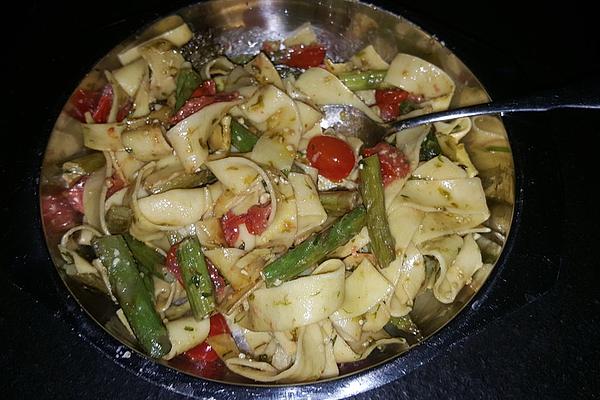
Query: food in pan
[[230, 228]]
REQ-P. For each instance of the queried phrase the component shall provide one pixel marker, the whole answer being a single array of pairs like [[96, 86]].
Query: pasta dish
[[230, 229]]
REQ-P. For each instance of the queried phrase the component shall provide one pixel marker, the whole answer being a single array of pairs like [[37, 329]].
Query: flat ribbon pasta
[[420, 77], [274, 113], [309, 364], [299, 302], [311, 213], [407, 273], [325, 88], [188, 138], [459, 272], [364, 288]]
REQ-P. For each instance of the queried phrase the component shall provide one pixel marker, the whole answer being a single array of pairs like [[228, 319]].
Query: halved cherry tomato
[[333, 157], [393, 163], [305, 56]]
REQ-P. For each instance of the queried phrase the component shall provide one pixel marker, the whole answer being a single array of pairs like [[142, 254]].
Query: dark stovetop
[[531, 334]]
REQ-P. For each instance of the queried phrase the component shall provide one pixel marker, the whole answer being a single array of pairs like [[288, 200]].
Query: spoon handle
[[583, 95]]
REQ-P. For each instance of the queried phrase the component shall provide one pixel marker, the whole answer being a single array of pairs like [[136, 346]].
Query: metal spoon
[[348, 120]]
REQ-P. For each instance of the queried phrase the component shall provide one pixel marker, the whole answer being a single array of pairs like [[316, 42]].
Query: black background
[[535, 334]]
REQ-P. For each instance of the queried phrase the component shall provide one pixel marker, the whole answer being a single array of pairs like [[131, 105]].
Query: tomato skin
[[104, 105], [393, 163], [305, 56], [57, 213], [98, 103], [255, 219], [202, 352], [388, 101], [195, 104], [83, 101], [333, 157], [230, 226], [218, 325], [207, 88]]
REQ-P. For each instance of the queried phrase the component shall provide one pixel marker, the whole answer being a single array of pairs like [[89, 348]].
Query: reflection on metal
[[344, 26]]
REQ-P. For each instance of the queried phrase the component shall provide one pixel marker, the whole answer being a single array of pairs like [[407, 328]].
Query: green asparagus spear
[[241, 137], [196, 279], [150, 261], [315, 248], [363, 80], [371, 188], [118, 219], [183, 181], [339, 202], [134, 297]]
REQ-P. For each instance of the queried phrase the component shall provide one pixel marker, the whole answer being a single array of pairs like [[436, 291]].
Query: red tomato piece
[[256, 218], [333, 157], [218, 325], [83, 101], [305, 56], [393, 163], [207, 88], [102, 110], [230, 226], [195, 104], [388, 101], [75, 194], [172, 264], [57, 213], [216, 278], [202, 352]]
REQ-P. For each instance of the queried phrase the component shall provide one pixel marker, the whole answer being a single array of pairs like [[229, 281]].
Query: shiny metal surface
[[344, 27], [349, 120]]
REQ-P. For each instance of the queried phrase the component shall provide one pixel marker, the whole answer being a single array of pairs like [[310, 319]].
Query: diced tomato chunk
[[394, 163], [305, 56], [388, 101]]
